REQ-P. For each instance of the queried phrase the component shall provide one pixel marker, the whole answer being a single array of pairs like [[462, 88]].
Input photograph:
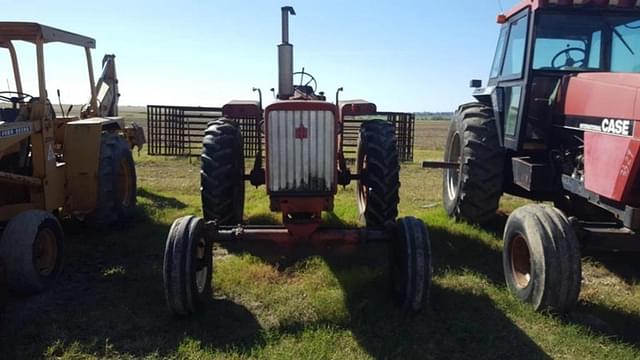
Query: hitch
[[440, 165]]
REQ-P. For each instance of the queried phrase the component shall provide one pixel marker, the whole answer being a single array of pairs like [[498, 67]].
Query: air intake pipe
[[285, 58]]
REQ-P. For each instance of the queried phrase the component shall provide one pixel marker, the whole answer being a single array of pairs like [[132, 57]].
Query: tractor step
[[531, 175]]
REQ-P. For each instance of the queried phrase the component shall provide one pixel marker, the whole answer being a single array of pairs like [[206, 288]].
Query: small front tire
[[410, 264], [188, 265], [541, 258]]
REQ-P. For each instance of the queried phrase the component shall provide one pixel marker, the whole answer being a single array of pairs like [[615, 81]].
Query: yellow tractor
[[55, 165]]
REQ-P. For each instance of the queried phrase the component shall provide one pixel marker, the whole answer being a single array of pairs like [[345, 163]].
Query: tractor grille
[[301, 151]]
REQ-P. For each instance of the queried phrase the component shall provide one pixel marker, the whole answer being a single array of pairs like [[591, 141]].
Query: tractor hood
[[613, 99], [606, 106]]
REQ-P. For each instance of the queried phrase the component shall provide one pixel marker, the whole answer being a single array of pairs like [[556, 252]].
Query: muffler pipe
[[285, 58]]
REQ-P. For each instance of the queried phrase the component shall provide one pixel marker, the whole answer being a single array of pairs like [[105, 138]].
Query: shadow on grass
[[457, 324], [110, 299], [607, 321], [625, 265], [160, 201], [452, 251]]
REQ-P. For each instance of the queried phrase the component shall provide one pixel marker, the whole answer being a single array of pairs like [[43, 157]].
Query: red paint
[[356, 107], [606, 95], [611, 162], [301, 132], [322, 238], [537, 4], [242, 109], [610, 165], [313, 206]]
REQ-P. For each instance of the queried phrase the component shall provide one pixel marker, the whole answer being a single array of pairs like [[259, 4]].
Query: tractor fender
[[105, 123]]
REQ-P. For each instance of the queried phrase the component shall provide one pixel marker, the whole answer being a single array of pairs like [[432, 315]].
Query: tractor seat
[[8, 115]]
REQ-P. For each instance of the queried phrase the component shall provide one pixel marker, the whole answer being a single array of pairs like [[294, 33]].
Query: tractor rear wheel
[[116, 198], [379, 169], [222, 173], [472, 191], [541, 258], [31, 250], [410, 264], [188, 266]]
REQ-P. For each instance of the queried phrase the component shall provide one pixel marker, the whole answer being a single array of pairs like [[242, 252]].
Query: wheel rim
[[124, 183], [45, 252], [363, 189], [202, 269], [520, 261], [453, 175]]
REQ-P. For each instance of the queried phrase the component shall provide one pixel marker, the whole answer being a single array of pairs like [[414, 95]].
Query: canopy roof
[[33, 32]]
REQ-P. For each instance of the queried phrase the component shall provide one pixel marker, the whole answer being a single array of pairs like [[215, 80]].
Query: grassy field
[[109, 303]]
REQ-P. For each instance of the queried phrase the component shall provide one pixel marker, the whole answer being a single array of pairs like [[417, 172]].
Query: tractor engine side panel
[[611, 165], [301, 151], [606, 107]]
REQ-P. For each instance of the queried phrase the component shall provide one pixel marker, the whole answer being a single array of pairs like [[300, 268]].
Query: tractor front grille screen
[[301, 147]]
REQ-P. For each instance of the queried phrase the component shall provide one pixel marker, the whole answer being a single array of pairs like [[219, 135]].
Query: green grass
[[110, 301]]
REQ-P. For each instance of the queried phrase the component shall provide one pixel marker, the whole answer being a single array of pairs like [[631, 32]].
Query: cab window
[[516, 45]]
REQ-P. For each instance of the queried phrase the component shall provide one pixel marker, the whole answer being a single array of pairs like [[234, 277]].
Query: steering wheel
[[569, 61], [14, 100], [304, 74]]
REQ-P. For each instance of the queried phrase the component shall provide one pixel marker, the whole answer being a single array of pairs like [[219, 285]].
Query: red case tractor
[[558, 122], [303, 167]]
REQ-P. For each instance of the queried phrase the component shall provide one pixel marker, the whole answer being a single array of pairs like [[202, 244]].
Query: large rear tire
[[410, 264], [541, 258], [379, 169], [472, 192], [222, 173], [31, 250], [188, 266], [116, 197]]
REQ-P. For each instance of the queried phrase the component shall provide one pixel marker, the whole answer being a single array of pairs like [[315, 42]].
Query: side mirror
[[475, 84]]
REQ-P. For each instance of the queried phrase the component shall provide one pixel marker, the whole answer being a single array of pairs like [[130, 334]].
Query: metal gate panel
[[404, 124], [178, 130]]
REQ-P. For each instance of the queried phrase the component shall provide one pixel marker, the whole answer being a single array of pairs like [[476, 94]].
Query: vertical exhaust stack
[[285, 58]]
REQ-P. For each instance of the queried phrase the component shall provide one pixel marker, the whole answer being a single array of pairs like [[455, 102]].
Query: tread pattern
[[113, 148], [482, 172], [555, 252], [411, 267], [179, 267], [16, 251], [221, 173], [377, 141]]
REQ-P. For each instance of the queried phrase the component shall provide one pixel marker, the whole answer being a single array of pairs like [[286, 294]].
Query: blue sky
[[403, 55]]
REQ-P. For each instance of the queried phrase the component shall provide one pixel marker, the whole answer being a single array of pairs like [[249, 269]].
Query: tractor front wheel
[[116, 198], [222, 173], [31, 250], [472, 191], [188, 266], [379, 173], [541, 258], [410, 264]]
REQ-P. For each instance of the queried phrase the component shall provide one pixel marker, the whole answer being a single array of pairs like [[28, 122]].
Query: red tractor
[[304, 165], [558, 122]]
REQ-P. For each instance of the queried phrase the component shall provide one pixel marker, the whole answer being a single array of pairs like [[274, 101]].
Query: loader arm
[[107, 88]]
